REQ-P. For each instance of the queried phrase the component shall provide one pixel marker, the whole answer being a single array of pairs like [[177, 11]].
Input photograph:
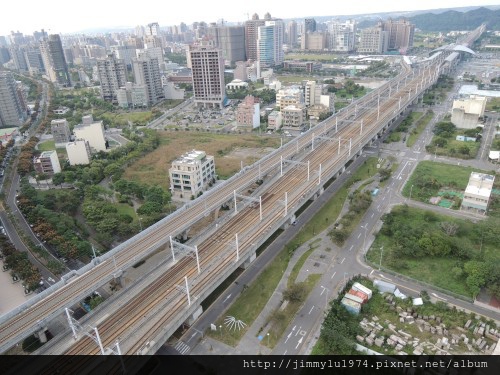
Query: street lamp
[[381, 252], [140, 223], [268, 339], [411, 189]]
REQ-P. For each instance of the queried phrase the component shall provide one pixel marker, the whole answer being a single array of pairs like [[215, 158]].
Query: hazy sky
[[66, 16]]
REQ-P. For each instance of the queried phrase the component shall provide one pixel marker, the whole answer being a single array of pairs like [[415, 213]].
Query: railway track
[[214, 255], [352, 127]]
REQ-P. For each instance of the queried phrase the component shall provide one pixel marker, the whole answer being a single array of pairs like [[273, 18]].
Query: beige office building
[[191, 174]]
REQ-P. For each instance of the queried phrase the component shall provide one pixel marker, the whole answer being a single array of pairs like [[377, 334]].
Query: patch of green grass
[[298, 266], [420, 126], [429, 177], [443, 270], [331, 210], [125, 209], [310, 57], [393, 137], [289, 312], [252, 300], [47, 146], [293, 78]]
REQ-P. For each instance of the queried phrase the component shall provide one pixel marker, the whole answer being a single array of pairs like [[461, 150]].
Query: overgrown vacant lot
[[429, 177], [457, 255], [153, 168]]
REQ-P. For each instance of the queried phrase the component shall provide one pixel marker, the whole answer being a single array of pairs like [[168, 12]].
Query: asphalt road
[[304, 330]]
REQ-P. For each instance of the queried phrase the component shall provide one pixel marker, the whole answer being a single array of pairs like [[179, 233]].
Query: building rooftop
[[191, 157], [47, 154], [478, 189]]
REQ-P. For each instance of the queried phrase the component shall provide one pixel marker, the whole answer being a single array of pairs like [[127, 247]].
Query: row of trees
[[265, 95], [19, 265]]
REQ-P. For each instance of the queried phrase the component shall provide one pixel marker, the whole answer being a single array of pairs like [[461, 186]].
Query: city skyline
[[110, 16]]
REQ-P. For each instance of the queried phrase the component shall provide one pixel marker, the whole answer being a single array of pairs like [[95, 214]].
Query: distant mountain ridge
[[453, 20]]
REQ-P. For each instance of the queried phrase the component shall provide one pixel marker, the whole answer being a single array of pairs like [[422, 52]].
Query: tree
[[450, 229], [477, 274], [295, 293]]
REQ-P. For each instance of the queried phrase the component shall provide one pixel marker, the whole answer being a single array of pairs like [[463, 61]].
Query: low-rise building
[[289, 96], [477, 193], [248, 112], [60, 132], [293, 116], [47, 163], [91, 131], [308, 66], [236, 85], [274, 120], [191, 174], [78, 152], [466, 112]]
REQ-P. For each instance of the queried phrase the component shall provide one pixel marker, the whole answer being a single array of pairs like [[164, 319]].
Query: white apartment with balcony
[[191, 174]]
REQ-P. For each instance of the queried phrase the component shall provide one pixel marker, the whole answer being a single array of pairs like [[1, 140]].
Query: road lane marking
[[352, 245], [300, 342], [371, 272], [333, 275], [359, 235], [310, 311], [342, 261], [385, 277], [298, 331]]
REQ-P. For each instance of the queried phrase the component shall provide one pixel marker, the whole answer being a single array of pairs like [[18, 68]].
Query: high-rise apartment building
[[313, 41], [17, 54], [126, 53], [270, 42], [34, 60], [373, 40], [13, 110], [401, 34], [55, 61], [341, 36], [231, 40], [153, 29], [112, 75], [251, 33], [309, 25], [207, 66], [291, 34], [147, 73]]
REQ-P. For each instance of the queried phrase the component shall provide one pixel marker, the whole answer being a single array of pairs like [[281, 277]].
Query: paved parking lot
[[11, 295]]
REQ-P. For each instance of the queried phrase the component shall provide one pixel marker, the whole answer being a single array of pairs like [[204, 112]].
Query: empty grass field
[[153, 168]]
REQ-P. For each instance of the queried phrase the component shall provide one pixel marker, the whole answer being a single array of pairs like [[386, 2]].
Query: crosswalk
[[182, 348]]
